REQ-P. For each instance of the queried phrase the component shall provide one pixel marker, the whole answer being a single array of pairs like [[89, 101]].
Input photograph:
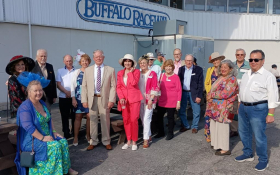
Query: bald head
[[68, 61]]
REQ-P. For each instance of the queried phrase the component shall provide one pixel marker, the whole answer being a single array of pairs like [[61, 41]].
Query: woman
[[34, 120], [130, 98], [170, 99], [17, 65], [220, 104], [84, 61], [211, 77], [148, 86]]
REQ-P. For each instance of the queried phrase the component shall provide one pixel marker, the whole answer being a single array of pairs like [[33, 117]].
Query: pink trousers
[[130, 119]]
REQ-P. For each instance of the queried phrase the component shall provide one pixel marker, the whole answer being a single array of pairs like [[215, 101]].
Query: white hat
[[150, 56], [216, 56], [128, 57]]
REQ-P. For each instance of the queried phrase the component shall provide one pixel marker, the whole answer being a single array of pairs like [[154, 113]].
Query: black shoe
[[169, 137], [233, 134], [159, 135], [183, 129], [67, 135]]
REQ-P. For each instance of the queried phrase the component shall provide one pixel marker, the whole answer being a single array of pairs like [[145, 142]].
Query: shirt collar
[[71, 69], [260, 71], [179, 62], [41, 66], [101, 66], [191, 68]]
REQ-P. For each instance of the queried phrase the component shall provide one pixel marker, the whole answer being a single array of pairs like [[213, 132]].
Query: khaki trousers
[[219, 135], [104, 114]]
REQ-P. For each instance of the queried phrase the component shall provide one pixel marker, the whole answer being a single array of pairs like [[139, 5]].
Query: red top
[[130, 92], [171, 91]]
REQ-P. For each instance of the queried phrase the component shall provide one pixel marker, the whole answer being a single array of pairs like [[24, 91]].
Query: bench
[[118, 126]]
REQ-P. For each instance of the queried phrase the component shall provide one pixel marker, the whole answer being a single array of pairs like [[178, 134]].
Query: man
[[274, 70], [160, 59], [152, 66], [191, 77], [45, 69], [258, 98], [99, 95], [177, 54], [64, 80], [242, 67]]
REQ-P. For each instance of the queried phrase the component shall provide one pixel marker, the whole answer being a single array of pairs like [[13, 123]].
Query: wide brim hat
[[128, 57], [30, 62], [216, 56], [150, 56]]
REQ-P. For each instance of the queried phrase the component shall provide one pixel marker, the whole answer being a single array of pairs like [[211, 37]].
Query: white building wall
[[217, 25]]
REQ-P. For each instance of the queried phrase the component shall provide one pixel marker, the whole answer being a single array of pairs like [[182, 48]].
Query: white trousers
[[219, 135], [146, 117]]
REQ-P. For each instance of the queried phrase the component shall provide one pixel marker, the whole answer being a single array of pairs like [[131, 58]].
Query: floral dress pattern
[[223, 92], [214, 77], [58, 161], [78, 91], [16, 94]]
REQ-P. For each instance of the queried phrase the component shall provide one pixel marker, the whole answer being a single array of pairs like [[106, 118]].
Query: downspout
[[29, 28], [4, 12]]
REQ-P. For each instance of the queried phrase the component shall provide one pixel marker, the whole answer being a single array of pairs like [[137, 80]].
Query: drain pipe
[[29, 28], [4, 12]]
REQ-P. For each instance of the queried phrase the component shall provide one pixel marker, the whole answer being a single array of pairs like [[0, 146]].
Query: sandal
[[146, 144]]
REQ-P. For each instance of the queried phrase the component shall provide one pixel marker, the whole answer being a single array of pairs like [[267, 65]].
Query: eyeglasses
[[239, 54], [255, 60]]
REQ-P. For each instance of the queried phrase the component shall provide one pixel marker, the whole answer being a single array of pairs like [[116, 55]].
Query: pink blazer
[[152, 87], [131, 92]]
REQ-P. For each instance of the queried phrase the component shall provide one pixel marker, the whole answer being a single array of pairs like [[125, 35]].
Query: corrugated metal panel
[[62, 13]]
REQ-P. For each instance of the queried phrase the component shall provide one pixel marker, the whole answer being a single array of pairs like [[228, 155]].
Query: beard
[[177, 59]]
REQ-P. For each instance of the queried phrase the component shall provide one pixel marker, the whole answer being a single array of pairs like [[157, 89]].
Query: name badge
[[193, 74], [150, 76], [168, 79]]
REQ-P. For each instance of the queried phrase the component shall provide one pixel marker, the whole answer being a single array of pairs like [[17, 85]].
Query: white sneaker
[[134, 147], [125, 146], [75, 144]]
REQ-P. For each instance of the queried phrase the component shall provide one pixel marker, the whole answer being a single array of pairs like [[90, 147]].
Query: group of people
[[240, 98]]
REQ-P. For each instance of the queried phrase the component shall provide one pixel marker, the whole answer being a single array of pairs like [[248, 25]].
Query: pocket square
[[193, 74], [50, 72]]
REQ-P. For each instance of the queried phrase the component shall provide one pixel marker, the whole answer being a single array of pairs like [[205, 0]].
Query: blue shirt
[[187, 78]]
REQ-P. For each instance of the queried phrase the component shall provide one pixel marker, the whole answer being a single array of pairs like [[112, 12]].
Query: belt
[[186, 90], [97, 95], [254, 103]]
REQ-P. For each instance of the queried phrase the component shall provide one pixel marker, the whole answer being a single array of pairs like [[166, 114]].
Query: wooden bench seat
[[118, 126]]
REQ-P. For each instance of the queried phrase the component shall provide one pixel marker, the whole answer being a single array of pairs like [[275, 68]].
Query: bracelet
[[53, 130], [43, 138], [270, 114]]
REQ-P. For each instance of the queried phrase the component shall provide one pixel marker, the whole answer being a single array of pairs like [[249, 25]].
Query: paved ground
[[186, 153]]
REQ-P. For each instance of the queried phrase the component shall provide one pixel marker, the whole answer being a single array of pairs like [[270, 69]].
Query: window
[[257, 6], [195, 5], [176, 4], [162, 2], [216, 5], [237, 6], [276, 6]]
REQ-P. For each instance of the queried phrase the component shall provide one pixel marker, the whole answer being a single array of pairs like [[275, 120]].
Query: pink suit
[[132, 95]]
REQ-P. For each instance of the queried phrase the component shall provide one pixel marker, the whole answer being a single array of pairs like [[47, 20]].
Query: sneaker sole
[[262, 169], [249, 160]]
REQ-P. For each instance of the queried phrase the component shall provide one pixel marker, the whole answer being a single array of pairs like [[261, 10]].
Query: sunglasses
[[255, 60], [239, 54]]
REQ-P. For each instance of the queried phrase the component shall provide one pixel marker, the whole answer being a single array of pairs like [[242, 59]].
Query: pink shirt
[[171, 91], [177, 66]]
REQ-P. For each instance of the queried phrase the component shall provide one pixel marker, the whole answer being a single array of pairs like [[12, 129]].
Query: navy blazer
[[50, 90], [197, 83]]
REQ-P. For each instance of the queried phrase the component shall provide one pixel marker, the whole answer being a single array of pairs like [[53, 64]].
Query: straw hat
[[150, 56], [128, 57], [216, 56], [29, 61]]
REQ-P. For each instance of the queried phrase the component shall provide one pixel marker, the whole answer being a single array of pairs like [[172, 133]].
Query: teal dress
[[58, 161]]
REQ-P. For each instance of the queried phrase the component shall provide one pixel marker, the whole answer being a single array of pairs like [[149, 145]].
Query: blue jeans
[[253, 119], [186, 96]]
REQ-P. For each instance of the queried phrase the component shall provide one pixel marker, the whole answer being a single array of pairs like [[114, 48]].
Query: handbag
[[27, 159]]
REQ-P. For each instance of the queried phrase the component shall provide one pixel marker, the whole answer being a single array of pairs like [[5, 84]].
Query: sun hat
[[150, 56], [128, 57], [30, 62], [216, 56]]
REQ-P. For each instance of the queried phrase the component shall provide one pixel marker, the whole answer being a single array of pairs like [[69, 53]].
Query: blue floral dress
[[78, 90], [58, 161]]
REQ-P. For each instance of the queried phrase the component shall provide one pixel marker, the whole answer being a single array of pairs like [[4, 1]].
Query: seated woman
[[220, 104], [34, 121]]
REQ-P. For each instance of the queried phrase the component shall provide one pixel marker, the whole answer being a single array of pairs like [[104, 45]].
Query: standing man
[[274, 70], [242, 67], [160, 59], [64, 80], [177, 54], [152, 66], [45, 69], [191, 77], [99, 95], [258, 97]]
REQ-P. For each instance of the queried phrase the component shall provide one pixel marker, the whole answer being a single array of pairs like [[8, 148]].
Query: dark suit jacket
[[196, 81], [50, 90]]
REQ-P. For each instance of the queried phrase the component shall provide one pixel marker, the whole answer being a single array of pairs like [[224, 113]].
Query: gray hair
[[67, 55], [190, 55], [41, 50], [231, 65], [98, 50], [177, 49], [240, 49]]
